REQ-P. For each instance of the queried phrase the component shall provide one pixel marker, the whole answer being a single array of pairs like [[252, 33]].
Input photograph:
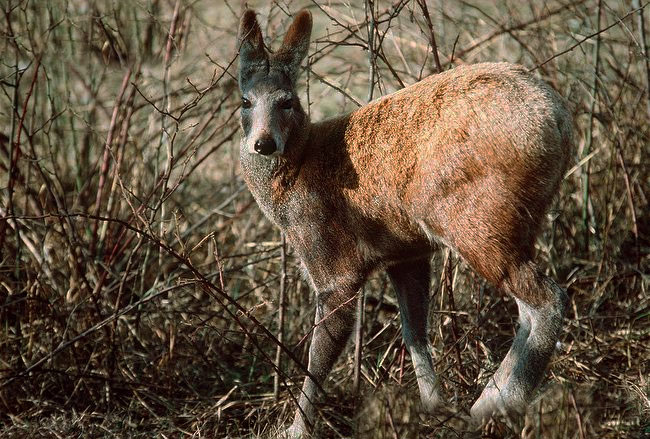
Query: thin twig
[[589, 139], [281, 318], [432, 35], [107, 155], [644, 49]]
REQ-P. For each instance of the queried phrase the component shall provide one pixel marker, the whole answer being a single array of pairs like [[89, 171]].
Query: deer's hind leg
[[411, 282], [541, 305]]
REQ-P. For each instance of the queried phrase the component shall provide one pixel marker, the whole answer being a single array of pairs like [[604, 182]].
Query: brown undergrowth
[[139, 282]]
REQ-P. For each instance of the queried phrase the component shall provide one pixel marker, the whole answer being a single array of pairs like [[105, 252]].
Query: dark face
[[270, 112]]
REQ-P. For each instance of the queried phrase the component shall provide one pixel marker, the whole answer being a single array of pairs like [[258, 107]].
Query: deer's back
[[482, 118]]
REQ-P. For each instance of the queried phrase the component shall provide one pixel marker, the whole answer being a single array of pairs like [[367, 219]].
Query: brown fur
[[482, 181]]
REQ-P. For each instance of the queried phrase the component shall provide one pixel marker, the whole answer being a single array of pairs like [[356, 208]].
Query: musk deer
[[470, 158]]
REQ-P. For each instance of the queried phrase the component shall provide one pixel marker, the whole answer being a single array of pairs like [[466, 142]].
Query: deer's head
[[270, 111]]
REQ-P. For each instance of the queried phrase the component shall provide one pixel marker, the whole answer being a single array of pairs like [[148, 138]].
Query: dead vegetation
[[139, 282]]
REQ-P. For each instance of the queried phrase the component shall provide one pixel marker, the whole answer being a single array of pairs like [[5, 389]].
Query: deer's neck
[[271, 179]]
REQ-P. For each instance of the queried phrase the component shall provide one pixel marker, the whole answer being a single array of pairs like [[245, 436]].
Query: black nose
[[265, 146]]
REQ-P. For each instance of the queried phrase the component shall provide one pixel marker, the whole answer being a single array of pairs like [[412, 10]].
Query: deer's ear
[[252, 56], [295, 45]]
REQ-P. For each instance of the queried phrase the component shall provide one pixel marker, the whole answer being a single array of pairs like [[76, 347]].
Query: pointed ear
[[295, 45], [252, 56]]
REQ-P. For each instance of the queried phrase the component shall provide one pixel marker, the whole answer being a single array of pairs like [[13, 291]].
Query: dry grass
[[139, 281]]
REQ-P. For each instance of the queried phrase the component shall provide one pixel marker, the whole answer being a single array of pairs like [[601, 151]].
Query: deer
[[469, 158]]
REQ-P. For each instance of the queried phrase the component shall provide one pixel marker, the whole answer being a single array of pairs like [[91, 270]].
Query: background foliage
[[139, 281]]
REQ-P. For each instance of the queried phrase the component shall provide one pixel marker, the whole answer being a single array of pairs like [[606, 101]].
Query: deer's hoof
[[294, 432], [494, 401]]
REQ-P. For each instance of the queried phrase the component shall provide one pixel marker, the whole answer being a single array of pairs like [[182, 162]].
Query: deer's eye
[[245, 103], [286, 104]]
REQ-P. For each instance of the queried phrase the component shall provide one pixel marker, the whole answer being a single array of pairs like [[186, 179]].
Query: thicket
[[140, 284]]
